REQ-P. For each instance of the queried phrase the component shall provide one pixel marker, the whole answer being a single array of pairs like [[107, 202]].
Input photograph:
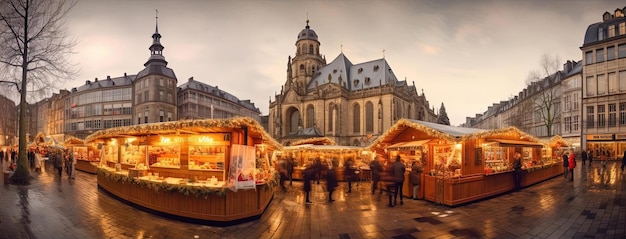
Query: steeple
[[156, 49]]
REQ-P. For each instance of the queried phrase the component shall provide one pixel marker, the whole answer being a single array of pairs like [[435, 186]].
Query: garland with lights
[[315, 140], [197, 125], [73, 141]]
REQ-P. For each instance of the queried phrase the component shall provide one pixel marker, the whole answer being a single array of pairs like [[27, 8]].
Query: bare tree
[[544, 83], [33, 50]]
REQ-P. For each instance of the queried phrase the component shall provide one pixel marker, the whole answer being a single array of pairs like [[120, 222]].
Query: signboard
[[620, 136], [600, 137]]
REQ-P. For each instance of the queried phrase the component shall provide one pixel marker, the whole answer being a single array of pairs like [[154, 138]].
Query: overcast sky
[[466, 54]]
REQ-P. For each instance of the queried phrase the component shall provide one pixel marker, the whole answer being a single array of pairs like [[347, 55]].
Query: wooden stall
[[464, 164], [213, 172], [85, 155]]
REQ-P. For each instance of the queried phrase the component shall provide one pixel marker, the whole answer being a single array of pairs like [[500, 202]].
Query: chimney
[[191, 78], [87, 82], [108, 77], [95, 80], [124, 74]]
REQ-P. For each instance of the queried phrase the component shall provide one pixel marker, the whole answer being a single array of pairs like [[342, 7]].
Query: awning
[[517, 143], [408, 144]]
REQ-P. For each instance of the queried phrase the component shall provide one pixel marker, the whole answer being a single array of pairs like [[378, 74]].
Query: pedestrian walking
[[590, 157], [603, 158], [331, 183], [623, 161], [388, 180], [350, 173], [583, 154], [398, 174], [309, 175], [565, 164], [58, 163], [571, 165], [290, 165], [376, 169], [517, 173], [416, 177]]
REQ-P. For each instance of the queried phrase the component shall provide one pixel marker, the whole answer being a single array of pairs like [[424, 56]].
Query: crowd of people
[[36, 157], [387, 175]]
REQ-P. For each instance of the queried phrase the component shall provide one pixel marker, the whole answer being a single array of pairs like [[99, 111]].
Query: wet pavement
[[593, 206]]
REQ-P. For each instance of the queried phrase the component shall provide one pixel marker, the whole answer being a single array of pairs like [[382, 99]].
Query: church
[[349, 103]]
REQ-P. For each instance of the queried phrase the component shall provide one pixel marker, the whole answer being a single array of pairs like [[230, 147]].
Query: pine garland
[[188, 190]]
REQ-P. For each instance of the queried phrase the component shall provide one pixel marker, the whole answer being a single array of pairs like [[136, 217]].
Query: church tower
[[307, 62], [154, 89]]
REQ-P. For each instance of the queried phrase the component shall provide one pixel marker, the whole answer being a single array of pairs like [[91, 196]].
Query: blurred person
[[571, 165], [416, 177], [517, 173], [583, 154], [376, 170], [565, 164], [350, 173], [623, 161], [290, 165], [309, 174], [398, 174], [331, 183]]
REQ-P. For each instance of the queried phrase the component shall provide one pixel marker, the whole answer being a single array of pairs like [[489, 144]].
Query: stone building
[[349, 103], [197, 100], [8, 119], [604, 85], [529, 111], [148, 97]]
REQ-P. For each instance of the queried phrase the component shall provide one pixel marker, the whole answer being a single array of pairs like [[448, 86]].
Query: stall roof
[[517, 143], [451, 133], [73, 140], [323, 148], [316, 140], [190, 127]]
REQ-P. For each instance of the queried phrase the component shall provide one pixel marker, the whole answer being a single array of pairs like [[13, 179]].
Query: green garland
[[163, 186], [540, 167]]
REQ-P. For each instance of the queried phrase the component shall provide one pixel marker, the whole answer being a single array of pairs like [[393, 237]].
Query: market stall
[[211, 171], [463, 164], [85, 155]]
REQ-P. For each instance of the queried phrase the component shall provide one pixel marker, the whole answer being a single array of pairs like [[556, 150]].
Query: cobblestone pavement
[[593, 206]]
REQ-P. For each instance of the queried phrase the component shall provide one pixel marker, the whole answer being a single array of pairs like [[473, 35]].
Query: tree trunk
[[22, 172]]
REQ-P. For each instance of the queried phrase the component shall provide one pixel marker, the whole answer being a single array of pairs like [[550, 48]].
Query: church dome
[[307, 33]]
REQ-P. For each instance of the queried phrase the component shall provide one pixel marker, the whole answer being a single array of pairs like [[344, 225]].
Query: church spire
[[156, 49]]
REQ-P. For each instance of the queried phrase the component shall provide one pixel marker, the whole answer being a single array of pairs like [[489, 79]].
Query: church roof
[[125, 80], [307, 33], [353, 77]]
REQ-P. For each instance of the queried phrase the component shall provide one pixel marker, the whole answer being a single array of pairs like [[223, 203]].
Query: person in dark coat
[[565, 164], [416, 177], [398, 174], [290, 165], [623, 161], [590, 156], [350, 173], [517, 173], [376, 170], [583, 154], [309, 175], [331, 183], [386, 176]]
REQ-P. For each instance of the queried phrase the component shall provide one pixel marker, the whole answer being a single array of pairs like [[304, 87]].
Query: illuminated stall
[[85, 156], [463, 164], [211, 171]]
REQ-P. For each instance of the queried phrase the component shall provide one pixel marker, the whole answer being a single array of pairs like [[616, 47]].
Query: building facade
[[604, 85], [197, 100], [147, 97], [349, 103], [8, 119], [542, 104]]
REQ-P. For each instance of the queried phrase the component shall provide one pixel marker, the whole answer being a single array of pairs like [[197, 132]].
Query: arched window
[[294, 121], [369, 117], [420, 115], [317, 51], [398, 109], [330, 77], [311, 49], [310, 116], [408, 112], [331, 118], [356, 119], [301, 68]]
